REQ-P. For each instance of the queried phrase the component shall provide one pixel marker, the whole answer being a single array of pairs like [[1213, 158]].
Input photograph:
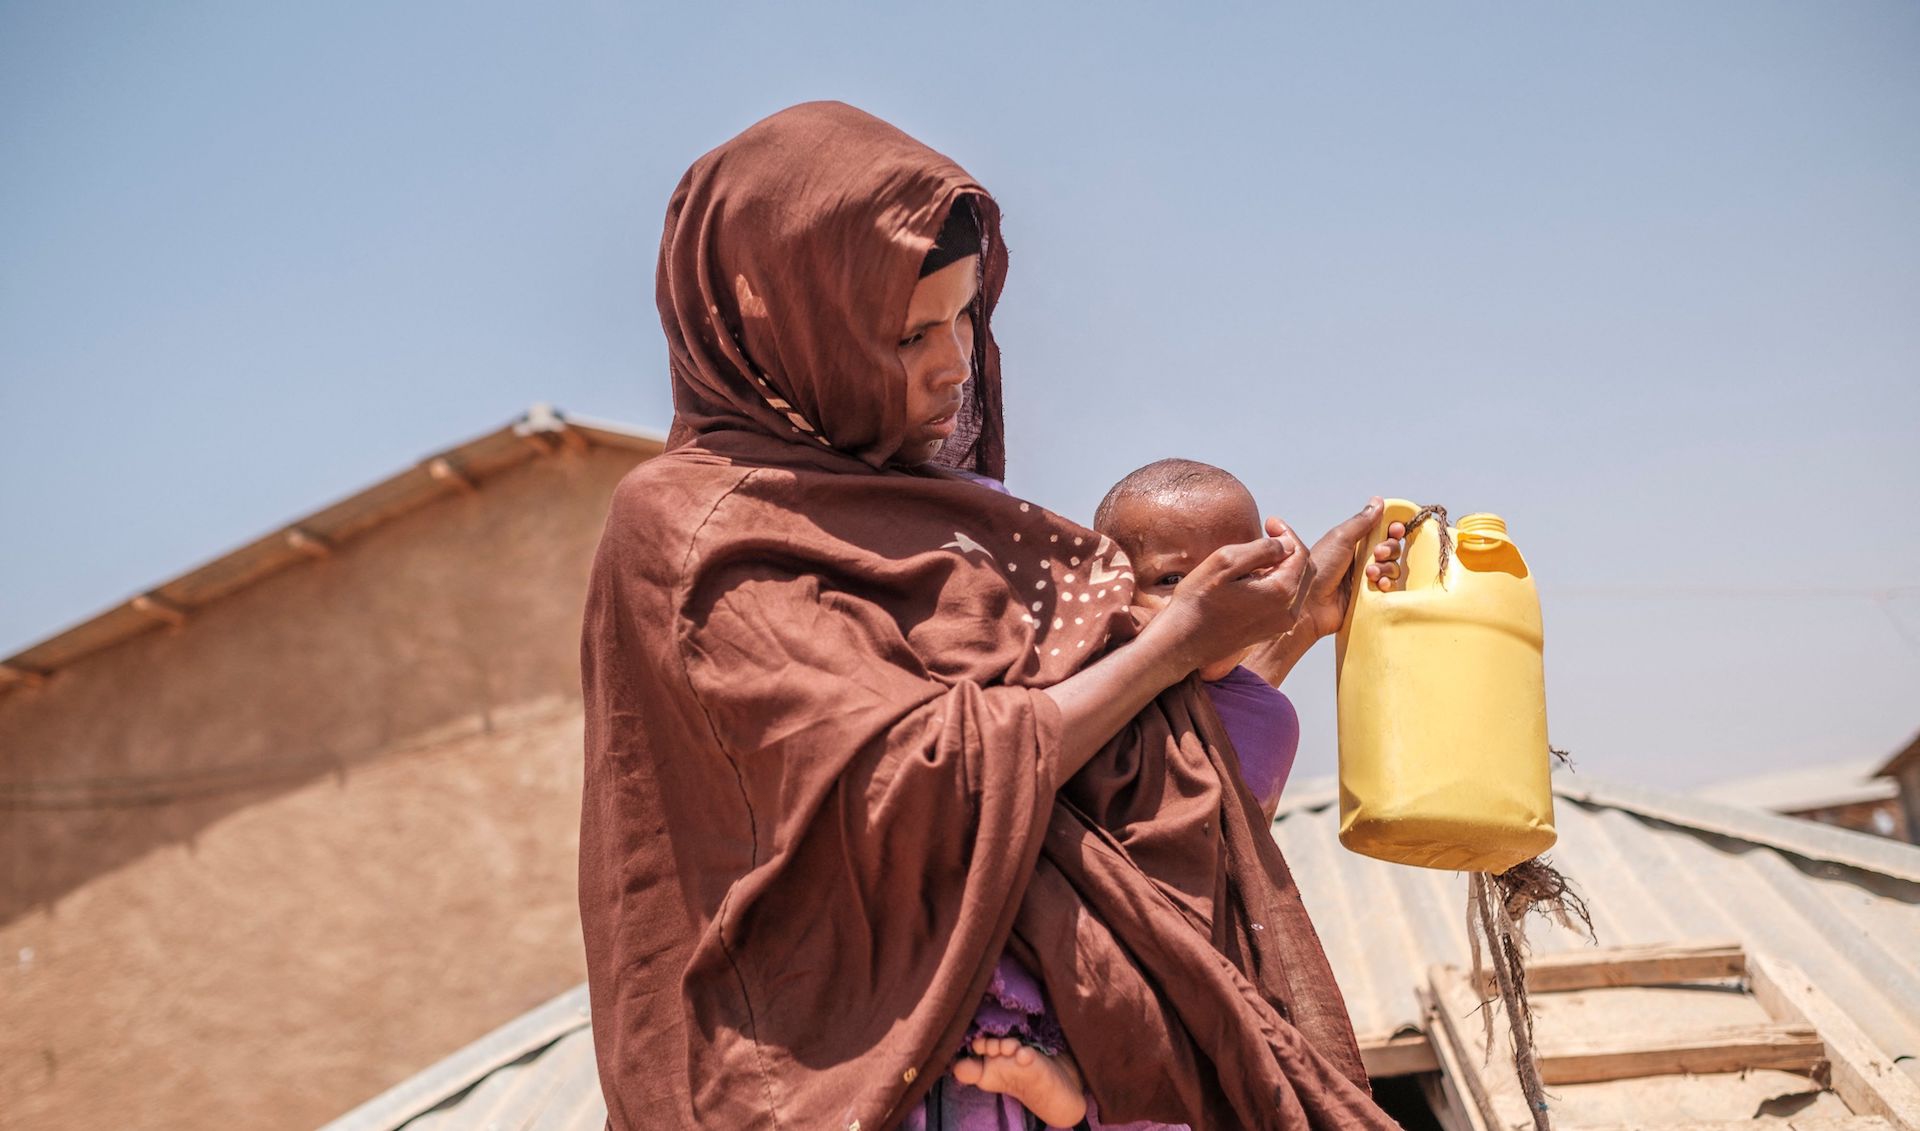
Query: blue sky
[[1644, 278]]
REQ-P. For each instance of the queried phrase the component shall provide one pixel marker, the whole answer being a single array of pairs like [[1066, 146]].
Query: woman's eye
[[905, 342]]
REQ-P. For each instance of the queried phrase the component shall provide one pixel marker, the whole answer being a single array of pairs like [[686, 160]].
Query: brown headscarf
[[818, 753]]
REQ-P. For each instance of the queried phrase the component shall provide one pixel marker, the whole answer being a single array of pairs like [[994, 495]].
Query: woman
[[856, 726]]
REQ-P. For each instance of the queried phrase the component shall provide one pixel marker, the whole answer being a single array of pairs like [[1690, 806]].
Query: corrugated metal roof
[[1804, 787], [1654, 867], [536, 1073], [540, 430]]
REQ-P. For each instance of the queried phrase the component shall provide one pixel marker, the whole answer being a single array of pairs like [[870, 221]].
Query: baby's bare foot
[[1047, 1086]]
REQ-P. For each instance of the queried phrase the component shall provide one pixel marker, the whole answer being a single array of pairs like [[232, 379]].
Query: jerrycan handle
[[1394, 510], [1419, 565]]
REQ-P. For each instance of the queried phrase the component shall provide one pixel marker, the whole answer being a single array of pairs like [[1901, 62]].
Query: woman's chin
[[916, 453]]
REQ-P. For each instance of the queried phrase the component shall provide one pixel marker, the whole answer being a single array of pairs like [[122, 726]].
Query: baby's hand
[[1384, 569]]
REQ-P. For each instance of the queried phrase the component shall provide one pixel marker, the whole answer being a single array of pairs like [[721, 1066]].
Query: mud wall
[[291, 853]]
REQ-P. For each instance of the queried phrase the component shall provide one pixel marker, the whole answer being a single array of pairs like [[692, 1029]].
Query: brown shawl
[[816, 805]]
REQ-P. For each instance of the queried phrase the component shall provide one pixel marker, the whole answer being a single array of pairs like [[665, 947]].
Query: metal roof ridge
[[432, 1086], [595, 423], [1792, 835]]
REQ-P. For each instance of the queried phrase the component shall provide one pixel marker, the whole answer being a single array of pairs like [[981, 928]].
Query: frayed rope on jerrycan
[[1444, 761], [1497, 907]]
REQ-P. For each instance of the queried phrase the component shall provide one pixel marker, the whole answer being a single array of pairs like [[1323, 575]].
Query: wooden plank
[[308, 543], [23, 676], [159, 608], [1634, 966], [1791, 1048], [443, 469], [1453, 1105], [1863, 1076], [1397, 1056], [1488, 1080]]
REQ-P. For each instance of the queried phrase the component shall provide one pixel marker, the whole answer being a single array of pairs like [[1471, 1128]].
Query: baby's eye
[[1169, 581]]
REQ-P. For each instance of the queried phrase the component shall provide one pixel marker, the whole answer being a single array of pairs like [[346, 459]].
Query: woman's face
[[936, 350]]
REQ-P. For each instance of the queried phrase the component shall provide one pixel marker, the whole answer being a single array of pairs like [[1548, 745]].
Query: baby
[[1168, 517]]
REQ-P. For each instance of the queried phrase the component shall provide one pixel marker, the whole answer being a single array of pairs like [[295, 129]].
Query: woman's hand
[[1238, 597], [1271, 596], [1326, 605]]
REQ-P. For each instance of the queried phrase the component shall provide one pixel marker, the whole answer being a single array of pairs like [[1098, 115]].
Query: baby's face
[[1169, 535]]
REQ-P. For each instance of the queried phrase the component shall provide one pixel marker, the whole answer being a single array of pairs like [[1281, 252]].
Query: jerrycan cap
[[1482, 532]]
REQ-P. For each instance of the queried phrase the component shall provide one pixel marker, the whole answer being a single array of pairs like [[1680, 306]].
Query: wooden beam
[[159, 608], [1398, 1056], [546, 430], [544, 442], [553, 437], [442, 469], [18, 676], [309, 543], [1488, 1076], [1863, 1076], [1633, 966], [1732, 1048], [1457, 1110]]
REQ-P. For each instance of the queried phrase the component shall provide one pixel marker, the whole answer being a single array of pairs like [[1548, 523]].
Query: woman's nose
[[956, 359]]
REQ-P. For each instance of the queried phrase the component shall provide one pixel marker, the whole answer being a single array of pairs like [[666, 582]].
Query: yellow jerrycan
[[1443, 708]]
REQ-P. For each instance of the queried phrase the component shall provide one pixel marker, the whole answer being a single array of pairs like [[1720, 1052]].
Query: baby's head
[[1168, 516]]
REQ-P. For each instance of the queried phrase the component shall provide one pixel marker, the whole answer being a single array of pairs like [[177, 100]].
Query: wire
[[1882, 597], [1737, 592]]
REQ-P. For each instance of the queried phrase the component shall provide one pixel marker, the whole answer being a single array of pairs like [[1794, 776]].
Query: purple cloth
[[1015, 1006], [1264, 727], [986, 481]]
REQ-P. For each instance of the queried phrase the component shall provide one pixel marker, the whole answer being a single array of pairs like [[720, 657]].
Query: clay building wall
[[261, 866]]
